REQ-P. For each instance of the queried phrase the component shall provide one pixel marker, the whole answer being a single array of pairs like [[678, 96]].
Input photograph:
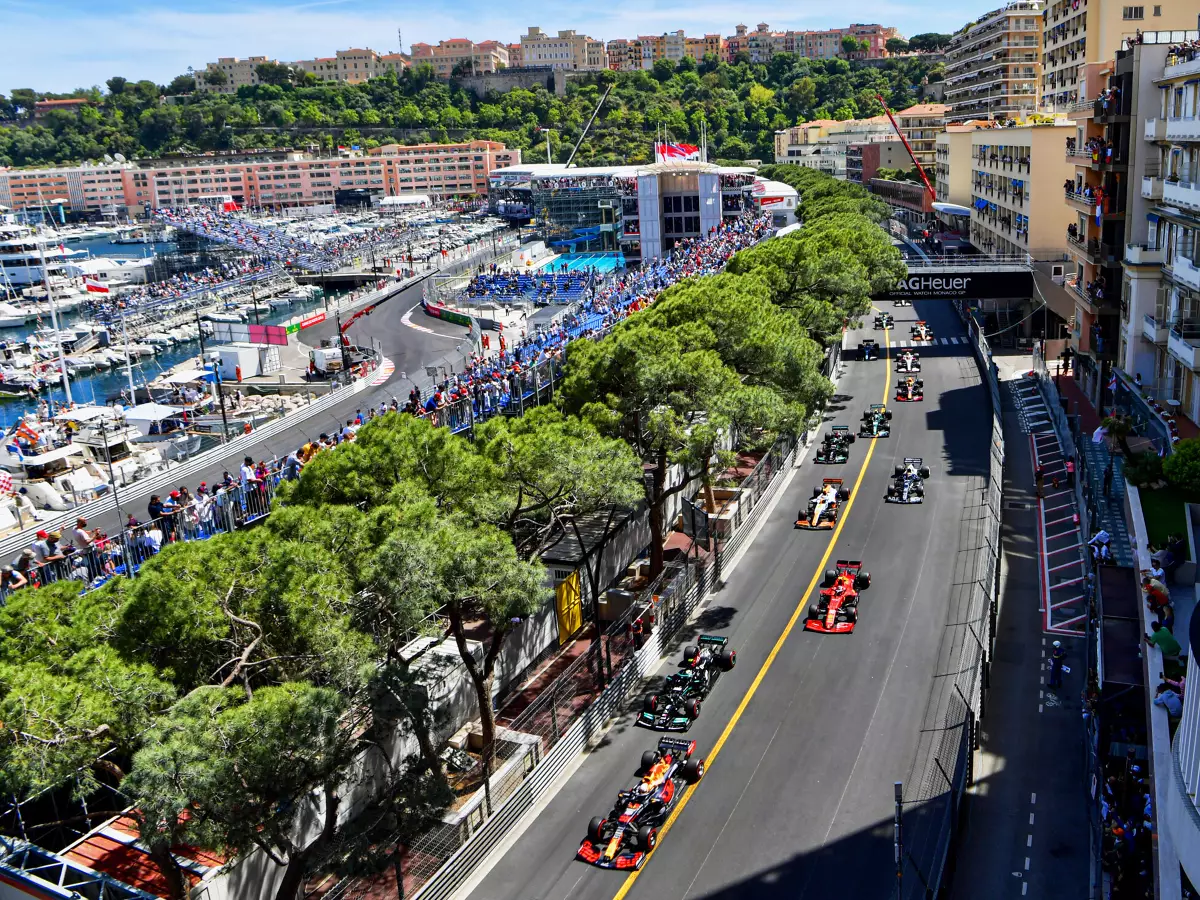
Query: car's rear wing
[[836, 429], [676, 745], [913, 460], [875, 406], [714, 639], [919, 322], [833, 481], [852, 565]]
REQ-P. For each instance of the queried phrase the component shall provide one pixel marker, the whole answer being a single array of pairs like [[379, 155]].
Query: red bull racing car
[[910, 389], [623, 838], [825, 505], [836, 609]]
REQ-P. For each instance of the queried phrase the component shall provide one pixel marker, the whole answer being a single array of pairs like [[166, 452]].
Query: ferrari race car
[[824, 506], [908, 482], [678, 703], [836, 446], [836, 609], [908, 361], [910, 389], [868, 349], [623, 838], [877, 422], [885, 321], [901, 301], [921, 332]]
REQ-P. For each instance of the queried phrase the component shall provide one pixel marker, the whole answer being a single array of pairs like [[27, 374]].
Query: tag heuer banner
[[969, 286]]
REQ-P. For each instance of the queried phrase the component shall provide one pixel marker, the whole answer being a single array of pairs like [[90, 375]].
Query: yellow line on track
[[632, 878]]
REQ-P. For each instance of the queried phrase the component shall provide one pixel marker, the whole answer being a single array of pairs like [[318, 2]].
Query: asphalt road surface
[[805, 738]]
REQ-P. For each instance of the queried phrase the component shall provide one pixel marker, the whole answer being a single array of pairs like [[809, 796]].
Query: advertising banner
[[967, 286]]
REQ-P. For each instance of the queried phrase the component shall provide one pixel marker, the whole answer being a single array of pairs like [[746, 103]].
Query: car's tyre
[[650, 704], [863, 581], [689, 653], [843, 494], [693, 770], [596, 829], [691, 708], [816, 492], [898, 471], [923, 472], [830, 578], [647, 838], [649, 758], [814, 612], [887, 414], [850, 439], [728, 658], [918, 493]]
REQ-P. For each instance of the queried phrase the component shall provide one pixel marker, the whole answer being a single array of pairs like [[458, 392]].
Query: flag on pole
[[667, 150], [23, 430], [1112, 382], [94, 287]]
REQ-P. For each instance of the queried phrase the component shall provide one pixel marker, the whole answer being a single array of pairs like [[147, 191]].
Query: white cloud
[[159, 43]]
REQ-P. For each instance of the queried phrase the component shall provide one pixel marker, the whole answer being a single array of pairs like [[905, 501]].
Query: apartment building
[[994, 65], [920, 125], [629, 55], [516, 59], [479, 59], [824, 144], [952, 170], [270, 178], [237, 73], [353, 66], [1017, 177], [762, 43], [1077, 33], [565, 50], [864, 160]]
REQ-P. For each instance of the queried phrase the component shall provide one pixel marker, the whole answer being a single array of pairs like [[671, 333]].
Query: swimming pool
[[582, 262]]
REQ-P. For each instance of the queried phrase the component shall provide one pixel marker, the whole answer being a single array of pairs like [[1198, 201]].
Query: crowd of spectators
[[1178, 53], [182, 286]]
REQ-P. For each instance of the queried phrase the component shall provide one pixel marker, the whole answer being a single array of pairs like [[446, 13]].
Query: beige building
[[762, 43], [920, 125], [994, 65], [565, 50], [1017, 177], [482, 58], [629, 55], [348, 66], [824, 144], [1077, 33], [237, 73], [952, 167]]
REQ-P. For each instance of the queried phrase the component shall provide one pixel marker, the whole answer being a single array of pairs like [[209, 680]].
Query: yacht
[[143, 235], [22, 250]]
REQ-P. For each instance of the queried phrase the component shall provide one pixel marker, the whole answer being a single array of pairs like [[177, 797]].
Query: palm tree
[[1120, 427]]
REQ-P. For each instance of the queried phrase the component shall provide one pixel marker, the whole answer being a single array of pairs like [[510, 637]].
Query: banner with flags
[[94, 286], [666, 151]]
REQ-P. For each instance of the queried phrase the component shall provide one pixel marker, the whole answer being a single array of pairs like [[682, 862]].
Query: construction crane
[[907, 146]]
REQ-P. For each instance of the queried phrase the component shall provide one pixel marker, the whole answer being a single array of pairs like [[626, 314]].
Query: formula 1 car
[[877, 422], [678, 703], [885, 321], [901, 301], [836, 609], [624, 838], [910, 389], [908, 482], [868, 349], [921, 332], [825, 505], [908, 361], [836, 446]]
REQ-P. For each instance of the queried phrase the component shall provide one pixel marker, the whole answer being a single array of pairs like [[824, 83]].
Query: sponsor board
[[971, 286]]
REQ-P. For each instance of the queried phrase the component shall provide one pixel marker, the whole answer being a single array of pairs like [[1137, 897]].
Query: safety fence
[[942, 769], [537, 744]]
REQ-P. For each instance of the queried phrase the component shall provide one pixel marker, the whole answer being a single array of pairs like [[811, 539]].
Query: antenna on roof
[[400, 38]]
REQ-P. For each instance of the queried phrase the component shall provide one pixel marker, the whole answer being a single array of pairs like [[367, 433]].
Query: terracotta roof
[[925, 109], [73, 101]]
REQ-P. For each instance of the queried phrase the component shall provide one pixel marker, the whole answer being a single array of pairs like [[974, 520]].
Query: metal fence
[[536, 744], [942, 770]]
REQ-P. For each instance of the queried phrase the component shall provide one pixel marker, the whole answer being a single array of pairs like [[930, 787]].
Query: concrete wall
[[553, 80]]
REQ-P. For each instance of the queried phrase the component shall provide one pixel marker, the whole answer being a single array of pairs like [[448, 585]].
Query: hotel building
[[994, 65], [485, 57], [566, 50]]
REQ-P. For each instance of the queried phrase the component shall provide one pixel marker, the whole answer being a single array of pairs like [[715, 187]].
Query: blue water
[[601, 262]]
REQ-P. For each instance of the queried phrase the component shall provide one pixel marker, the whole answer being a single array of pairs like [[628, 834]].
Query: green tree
[[182, 84], [928, 41], [896, 45], [216, 78], [116, 84], [274, 73]]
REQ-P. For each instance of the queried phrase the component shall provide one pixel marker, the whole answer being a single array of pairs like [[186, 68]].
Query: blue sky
[[58, 45]]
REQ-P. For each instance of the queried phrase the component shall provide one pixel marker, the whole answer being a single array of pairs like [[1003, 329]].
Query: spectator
[[1169, 700], [11, 580], [1163, 639]]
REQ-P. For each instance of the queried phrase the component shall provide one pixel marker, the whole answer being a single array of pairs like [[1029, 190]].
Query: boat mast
[[128, 363], [62, 362]]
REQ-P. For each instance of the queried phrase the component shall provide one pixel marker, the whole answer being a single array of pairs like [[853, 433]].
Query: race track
[[810, 730]]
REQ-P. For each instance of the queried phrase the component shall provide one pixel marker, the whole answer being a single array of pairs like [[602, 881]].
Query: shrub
[[1144, 468], [1182, 467]]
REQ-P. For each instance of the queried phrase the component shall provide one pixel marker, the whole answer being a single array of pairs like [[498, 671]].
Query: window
[[1133, 12], [1158, 10]]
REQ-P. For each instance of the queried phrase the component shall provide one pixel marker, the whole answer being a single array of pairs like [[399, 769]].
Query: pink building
[[488, 56], [271, 178]]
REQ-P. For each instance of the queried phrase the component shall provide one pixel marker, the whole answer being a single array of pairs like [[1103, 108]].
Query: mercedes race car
[[921, 332], [908, 482], [868, 349], [677, 705], [624, 838], [910, 388], [877, 422], [908, 361], [825, 505], [836, 609], [836, 446], [885, 321]]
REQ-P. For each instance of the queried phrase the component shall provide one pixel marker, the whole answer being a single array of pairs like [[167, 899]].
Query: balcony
[[1141, 255], [1153, 330], [1079, 201], [1183, 343], [1181, 193], [1080, 245], [1152, 187], [1185, 272], [1156, 129], [1183, 129], [1181, 65]]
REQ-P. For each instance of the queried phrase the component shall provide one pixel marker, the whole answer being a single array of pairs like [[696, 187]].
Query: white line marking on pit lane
[[1033, 799], [1029, 840], [1024, 888], [1039, 707], [1027, 864], [1031, 818]]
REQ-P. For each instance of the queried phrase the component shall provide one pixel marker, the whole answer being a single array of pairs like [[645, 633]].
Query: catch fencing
[[942, 770]]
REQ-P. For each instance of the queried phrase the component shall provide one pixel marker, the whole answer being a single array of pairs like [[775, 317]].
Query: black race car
[[908, 389], [868, 349], [678, 703], [624, 838], [885, 321], [877, 422], [908, 482], [908, 361], [836, 446]]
